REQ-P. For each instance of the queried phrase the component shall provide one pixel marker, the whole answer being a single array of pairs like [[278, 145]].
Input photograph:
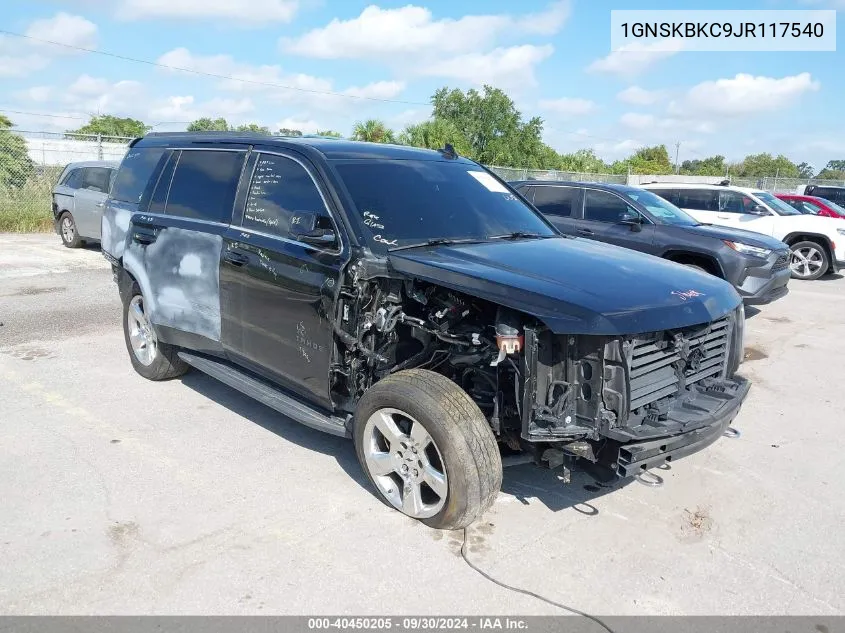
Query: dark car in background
[[78, 199], [828, 192], [757, 265], [813, 205]]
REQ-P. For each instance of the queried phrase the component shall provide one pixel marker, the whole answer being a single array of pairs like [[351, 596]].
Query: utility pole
[[677, 150]]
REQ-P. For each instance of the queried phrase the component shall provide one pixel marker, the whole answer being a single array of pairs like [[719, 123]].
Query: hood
[[575, 286], [736, 235]]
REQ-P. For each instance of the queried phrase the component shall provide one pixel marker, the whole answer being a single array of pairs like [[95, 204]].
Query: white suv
[[817, 243]]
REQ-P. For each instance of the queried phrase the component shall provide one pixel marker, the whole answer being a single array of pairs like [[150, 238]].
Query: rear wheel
[[427, 449], [151, 358], [68, 232], [699, 268], [809, 260]]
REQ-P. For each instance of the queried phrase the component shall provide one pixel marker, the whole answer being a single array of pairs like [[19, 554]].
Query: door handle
[[586, 231], [142, 237], [235, 258]]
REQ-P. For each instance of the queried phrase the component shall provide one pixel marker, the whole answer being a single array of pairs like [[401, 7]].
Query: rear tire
[[808, 261], [427, 449], [699, 268], [68, 232], [150, 358]]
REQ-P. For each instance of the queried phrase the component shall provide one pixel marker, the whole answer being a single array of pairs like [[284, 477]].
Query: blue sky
[[553, 58]]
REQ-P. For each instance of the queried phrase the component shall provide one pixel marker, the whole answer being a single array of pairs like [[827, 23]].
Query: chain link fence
[[30, 164]]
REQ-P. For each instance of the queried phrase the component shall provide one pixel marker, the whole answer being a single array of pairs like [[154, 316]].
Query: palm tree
[[372, 130]]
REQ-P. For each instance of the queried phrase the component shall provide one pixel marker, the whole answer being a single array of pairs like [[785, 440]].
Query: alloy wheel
[[141, 335], [806, 261]]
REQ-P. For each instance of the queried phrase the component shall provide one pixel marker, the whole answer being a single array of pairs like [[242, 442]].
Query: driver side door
[[735, 210], [612, 220]]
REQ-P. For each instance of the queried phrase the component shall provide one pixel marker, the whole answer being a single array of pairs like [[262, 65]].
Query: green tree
[[112, 128], [583, 160], [15, 165], [434, 134], [757, 165], [253, 127], [330, 133], [805, 170], [206, 124], [374, 131], [834, 170], [493, 126], [288, 132], [710, 166], [646, 160]]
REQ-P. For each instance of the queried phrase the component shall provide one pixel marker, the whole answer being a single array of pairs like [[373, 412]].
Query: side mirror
[[303, 227], [758, 209], [633, 220]]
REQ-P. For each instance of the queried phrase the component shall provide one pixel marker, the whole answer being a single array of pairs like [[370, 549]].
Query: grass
[[27, 209]]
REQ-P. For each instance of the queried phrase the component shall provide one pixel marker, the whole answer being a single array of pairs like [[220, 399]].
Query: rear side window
[[134, 172], [159, 197], [204, 185], [698, 199], [96, 179], [735, 202], [670, 195], [73, 179], [836, 194], [281, 188], [601, 206], [558, 201], [808, 207]]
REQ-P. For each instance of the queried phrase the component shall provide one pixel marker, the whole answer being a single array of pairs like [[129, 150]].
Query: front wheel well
[[695, 259], [821, 240]]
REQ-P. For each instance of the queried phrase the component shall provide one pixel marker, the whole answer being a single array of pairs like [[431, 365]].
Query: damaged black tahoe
[[413, 301]]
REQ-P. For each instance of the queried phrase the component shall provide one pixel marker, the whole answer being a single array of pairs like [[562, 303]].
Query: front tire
[[150, 358], [68, 232], [808, 261], [427, 449]]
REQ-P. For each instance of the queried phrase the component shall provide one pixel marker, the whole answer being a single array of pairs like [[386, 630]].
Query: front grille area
[[660, 362], [781, 263]]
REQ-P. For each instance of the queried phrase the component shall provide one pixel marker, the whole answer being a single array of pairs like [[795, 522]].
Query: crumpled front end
[[633, 402]]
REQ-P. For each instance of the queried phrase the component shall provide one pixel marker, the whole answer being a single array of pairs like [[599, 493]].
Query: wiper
[[520, 235], [438, 241]]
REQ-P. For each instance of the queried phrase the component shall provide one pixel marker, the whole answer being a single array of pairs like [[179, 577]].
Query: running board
[[266, 394]]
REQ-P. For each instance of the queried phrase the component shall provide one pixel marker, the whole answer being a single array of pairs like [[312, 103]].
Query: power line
[[208, 74], [52, 116]]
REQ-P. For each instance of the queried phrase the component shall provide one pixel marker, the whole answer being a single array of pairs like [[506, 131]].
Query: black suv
[[755, 264], [410, 299]]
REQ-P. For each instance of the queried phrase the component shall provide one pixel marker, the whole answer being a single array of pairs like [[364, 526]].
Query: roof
[[605, 186], [93, 163], [695, 185], [331, 148]]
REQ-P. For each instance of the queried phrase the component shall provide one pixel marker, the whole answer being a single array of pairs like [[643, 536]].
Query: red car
[[813, 205]]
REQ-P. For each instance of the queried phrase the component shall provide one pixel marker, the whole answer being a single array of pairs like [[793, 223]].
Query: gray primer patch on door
[[113, 229], [179, 275]]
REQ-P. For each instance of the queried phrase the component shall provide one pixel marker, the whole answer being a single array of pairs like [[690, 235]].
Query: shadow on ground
[[527, 483]]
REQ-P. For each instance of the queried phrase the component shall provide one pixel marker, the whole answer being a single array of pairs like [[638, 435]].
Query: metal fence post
[[99, 146]]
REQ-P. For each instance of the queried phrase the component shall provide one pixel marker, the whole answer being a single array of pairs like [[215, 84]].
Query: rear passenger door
[[279, 291], [90, 198], [176, 242], [614, 220], [702, 204], [561, 205]]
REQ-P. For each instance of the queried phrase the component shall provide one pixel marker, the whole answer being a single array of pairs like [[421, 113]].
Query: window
[[556, 200], [73, 179], [798, 204], [96, 179], [662, 211], [735, 202], [204, 185], [159, 197], [698, 199], [809, 207], [670, 195], [834, 194], [601, 206], [281, 188], [407, 202], [134, 172]]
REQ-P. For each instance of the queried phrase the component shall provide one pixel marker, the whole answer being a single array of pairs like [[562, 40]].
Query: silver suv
[[78, 199]]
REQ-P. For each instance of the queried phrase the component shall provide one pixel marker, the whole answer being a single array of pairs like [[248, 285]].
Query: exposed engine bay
[[584, 396]]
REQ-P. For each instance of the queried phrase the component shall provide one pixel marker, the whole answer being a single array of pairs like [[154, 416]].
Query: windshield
[[776, 204], [834, 207], [407, 202], [663, 211]]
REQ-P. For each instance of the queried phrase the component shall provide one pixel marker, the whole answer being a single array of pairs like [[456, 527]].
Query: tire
[[699, 268], [151, 359], [423, 404], [808, 261], [68, 232]]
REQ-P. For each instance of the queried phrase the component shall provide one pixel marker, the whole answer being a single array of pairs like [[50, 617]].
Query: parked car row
[[413, 301]]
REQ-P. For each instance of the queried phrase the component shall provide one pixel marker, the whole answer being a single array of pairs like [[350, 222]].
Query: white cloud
[[639, 96], [413, 31], [302, 89], [306, 126], [255, 12], [20, 57], [744, 95], [185, 109], [503, 67], [635, 58], [35, 94], [72, 30], [652, 123], [568, 107]]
